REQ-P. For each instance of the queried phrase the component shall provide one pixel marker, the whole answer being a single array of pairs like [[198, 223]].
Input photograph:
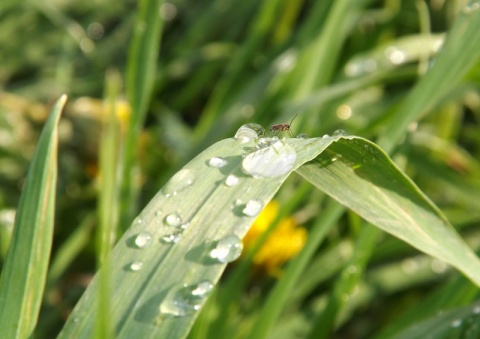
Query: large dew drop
[[143, 239], [249, 132], [179, 182], [273, 161], [227, 249]]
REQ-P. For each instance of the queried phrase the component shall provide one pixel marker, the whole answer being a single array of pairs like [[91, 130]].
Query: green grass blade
[[458, 323], [360, 175], [25, 270], [161, 270], [459, 54], [141, 69]]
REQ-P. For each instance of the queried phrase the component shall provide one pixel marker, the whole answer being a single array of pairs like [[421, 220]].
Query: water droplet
[[76, 320], [273, 161], [232, 180], [252, 208], [476, 309], [249, 132], [325, 136], [158, 213], [172, 238], [227, 249], [456, 323], [179, 182], [395, 55], [217, 162], [143, 239], [187, 299], [136, 266], [340, 133], [173, 219], [303, 136]]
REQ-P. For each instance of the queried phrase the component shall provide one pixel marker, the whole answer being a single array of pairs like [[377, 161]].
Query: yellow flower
[[284, 242]]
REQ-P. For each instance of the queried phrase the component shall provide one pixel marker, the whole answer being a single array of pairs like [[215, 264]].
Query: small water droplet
[[172, 238], [303, 136], [325, 136], [273, 161], [136, 266], [395, 56], [217, 162], [76, 320], [456, 323], [173, 219], [179, 182], [143, 239], [249, 132], [232, 180], [227, 249], [340, 133], [158, 213], [252, 208]]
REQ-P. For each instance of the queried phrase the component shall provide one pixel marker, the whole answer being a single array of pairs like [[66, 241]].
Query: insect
[[284, 127]]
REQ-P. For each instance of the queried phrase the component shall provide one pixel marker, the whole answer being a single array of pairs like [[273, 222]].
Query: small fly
[[284, 127]]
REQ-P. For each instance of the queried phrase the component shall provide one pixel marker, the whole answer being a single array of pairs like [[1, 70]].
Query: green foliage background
[[192, 73]]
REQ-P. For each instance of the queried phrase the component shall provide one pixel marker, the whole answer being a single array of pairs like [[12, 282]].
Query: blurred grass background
[[337, 64]]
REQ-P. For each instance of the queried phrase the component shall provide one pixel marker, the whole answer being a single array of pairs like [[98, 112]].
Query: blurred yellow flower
[[285, 241]]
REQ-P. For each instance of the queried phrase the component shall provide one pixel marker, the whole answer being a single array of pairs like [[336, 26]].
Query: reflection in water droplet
[[173, 219], [172, 238], [143, 239], [179, 182], [273, 161], [217, 162], [136, 266], [249, 132], [232, 180], [227, 249], [252, 208]]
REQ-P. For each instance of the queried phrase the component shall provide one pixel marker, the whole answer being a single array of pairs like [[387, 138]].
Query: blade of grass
[[153, 280], [25, 270], [459, 54], [141, 69], [108, 197]]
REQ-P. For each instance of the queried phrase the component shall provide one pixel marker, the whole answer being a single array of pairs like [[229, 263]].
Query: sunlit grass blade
[[162, 269], [360, 175], [25, 270]]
